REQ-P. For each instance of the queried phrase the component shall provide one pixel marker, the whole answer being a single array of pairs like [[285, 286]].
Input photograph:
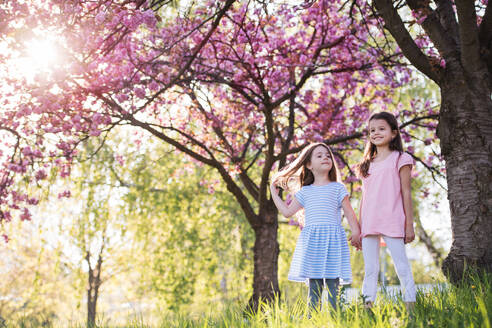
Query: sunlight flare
[[40, 56]]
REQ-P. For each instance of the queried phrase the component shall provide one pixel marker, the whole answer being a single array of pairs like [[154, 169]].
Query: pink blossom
[[122, 97], [140, 93], [41, 175], [64, 194], [94, 132], [253, 59], [33, 201], [7, 216], [154, 86], [293, 222], [149, 18], [26, 215], [100, 17], [351, 179], [120, 159]]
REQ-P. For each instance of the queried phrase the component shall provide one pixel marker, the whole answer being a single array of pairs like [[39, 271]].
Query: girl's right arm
[[352, 220], [286, 210]]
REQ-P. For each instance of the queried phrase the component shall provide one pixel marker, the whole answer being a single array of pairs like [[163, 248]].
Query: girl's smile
[[380, 132]]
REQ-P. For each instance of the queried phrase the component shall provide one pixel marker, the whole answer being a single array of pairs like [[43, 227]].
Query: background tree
[[35, 283], [97, 231], [193, 240]]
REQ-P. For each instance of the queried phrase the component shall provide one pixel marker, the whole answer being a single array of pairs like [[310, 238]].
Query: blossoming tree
[[238, 86]]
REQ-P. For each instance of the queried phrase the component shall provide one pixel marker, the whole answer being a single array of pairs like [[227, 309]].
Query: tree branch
[[417, 119], [251, 187], [270, 157], [239, 88], [18, 139], [308, 73], [442, 39], [344, 161], [448, 20], [428, 242], [431, 169], [470, 44], [485, 37], [197, 49], [218, 131], [412, 52], [231, 185], [331, 141], [290, 132], [255, 158]]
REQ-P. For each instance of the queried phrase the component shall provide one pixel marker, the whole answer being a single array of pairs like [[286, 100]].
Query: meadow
[[467, 305]]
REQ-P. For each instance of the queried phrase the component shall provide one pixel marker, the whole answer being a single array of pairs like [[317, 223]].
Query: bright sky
[[39, 56]]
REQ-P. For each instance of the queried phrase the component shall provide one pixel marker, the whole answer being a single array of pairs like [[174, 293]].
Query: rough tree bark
[[266, 250], [465, 131]]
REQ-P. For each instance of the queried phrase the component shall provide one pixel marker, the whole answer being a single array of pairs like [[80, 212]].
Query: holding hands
[[355, 241], [354, 224]]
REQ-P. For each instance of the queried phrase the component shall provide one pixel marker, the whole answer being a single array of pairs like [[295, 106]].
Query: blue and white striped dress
[[322, 249]]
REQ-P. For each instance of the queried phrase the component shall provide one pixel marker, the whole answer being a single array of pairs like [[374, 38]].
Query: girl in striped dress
[[321, 257]]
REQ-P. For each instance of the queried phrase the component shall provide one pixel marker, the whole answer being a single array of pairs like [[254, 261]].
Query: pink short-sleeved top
[[382, 204]]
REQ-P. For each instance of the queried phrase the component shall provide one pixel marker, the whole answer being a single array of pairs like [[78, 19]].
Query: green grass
[[469, 305]]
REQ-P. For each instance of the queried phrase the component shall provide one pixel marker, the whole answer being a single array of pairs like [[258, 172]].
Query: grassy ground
[[469, 305]]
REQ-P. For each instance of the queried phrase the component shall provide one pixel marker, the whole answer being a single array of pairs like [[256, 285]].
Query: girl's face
[[380, 133], [320, 160]]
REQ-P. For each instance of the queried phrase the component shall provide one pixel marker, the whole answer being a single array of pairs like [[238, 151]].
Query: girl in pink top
[[386, 209]]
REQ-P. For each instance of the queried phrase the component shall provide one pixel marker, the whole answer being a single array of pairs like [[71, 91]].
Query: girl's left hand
[[409, 234], [273, 188]]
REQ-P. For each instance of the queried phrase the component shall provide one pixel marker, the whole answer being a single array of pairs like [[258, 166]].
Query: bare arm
[[406, 193], [352, 220], [360, 212], [286, 210]]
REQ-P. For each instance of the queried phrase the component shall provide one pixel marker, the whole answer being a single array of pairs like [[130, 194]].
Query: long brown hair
[[371, 151], [306, 177]]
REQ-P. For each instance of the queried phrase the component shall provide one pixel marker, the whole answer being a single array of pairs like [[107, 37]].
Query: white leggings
[[396, 246]]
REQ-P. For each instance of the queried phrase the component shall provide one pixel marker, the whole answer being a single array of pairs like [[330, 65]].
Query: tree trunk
[[93, 289], [266, 251], [465, 132], [91, 305]]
